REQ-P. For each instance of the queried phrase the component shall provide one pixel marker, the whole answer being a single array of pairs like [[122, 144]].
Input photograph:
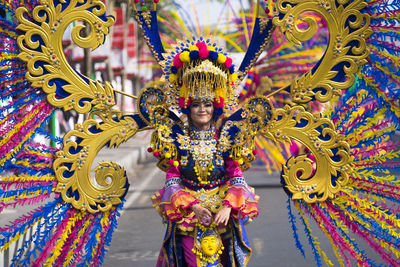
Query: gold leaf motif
[[41, 47], [317, 177], [73, 163], [255, 115], [346, 50], [211, 199], [151, 98]]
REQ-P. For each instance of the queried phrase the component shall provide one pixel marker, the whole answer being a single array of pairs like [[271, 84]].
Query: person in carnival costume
[[204, 186], [342, 178]]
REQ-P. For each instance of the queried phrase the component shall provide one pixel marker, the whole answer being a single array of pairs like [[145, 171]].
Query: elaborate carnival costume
[[342, 180], [201, 165]]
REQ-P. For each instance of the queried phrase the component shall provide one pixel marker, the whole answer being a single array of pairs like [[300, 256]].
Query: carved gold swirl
[[45, 57], [346, 25], [73, 163], [322, 175], [255, 115], [154, 94], [162, 140]]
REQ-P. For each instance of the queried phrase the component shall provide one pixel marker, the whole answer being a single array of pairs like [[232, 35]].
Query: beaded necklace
[[203, 147]]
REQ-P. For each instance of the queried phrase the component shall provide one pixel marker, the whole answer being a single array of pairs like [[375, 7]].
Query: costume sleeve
[[240, 197], [172, 201]]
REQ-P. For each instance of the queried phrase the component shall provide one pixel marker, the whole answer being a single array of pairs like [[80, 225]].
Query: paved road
[[138, 238]]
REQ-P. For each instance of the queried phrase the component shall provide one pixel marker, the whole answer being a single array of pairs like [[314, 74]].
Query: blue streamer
[[28, 191], [311, 241], [292, 221], [53, 215], [113, 226], [20, 228], [92, 242]]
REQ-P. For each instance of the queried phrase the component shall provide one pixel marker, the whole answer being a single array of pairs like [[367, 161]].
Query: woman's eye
[[208, 105]]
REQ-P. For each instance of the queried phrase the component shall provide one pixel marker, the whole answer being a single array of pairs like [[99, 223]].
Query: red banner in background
[[132, 40], [118, 29]]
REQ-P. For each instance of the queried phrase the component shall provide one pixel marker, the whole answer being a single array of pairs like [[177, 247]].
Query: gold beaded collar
[[202, 134]]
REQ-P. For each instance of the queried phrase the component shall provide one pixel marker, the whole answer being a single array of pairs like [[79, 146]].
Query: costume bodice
[[202, 166]]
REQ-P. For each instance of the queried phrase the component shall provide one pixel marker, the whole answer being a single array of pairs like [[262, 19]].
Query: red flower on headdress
[[228, 62], [203, 53], [201, 45], [177, 61]]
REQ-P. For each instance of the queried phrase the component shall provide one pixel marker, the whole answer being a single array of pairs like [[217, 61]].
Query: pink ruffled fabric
[[173, 172], [240, 198], [174, 203], [242, 201]]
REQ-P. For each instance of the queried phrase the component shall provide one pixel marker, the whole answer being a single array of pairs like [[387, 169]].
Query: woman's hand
[[222, 216], [202, 214]]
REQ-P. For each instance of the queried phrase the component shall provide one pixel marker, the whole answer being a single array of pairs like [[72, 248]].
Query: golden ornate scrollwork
[[237, 134], [346, 51], [73, 163], [41, 47], [151, 97], [325, 170]]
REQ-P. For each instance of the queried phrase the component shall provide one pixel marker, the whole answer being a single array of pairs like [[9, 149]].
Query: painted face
[[201, 114], [209, 245]]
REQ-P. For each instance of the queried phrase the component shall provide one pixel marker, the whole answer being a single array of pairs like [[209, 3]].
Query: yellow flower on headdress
[[184, 56], [221, 58], [193, 47]]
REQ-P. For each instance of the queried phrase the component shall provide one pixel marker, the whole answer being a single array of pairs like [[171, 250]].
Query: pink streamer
[[25, 201], [35, 158], [15, 185], [385, 189], [19, 221], [366, 151], [44, 111]]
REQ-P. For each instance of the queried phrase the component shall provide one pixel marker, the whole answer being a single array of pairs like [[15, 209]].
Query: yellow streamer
[[15, 129], [60, 242], [322, 227], [71, 252]]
